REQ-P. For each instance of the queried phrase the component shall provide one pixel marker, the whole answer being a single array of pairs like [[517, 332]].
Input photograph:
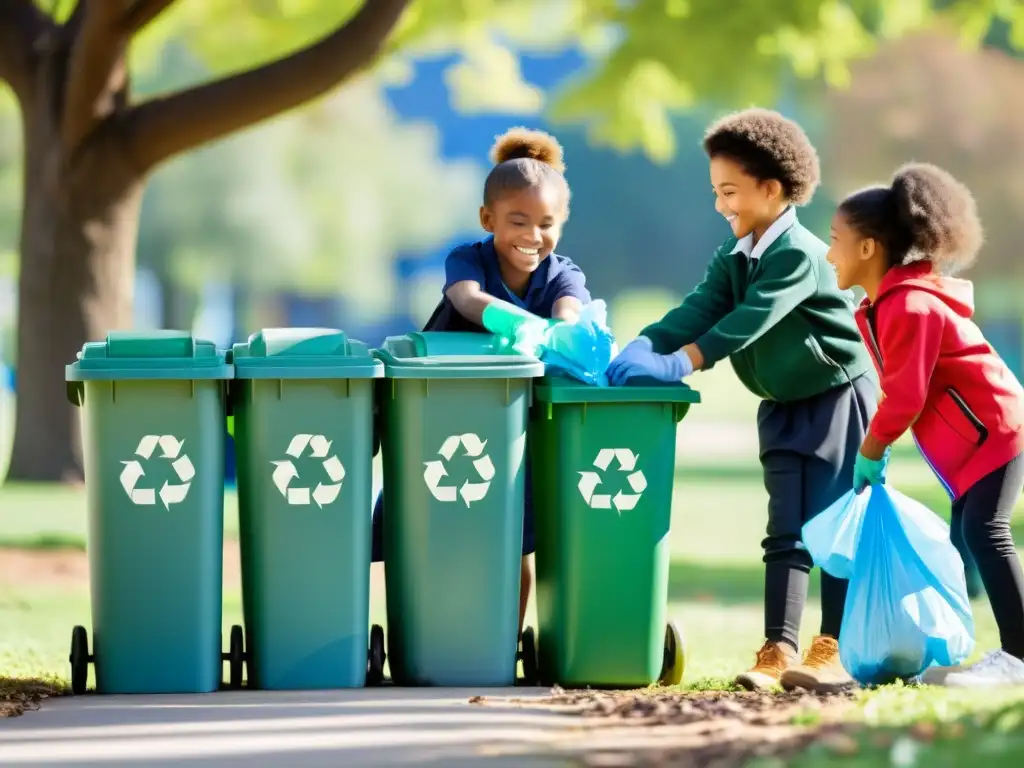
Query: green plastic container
[[302, 401], [603, 463], [454, 410], [153, 408]]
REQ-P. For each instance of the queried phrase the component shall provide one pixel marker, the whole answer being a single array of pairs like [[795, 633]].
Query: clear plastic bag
[[907, 607], [583, 349]]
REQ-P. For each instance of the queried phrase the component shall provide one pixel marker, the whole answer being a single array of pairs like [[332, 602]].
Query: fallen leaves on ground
[[655, 707], [699, 729], [20, 695]]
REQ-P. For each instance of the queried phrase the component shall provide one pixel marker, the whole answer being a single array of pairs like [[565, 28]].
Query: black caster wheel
[[674, 660], [235, 657], [528, 656], [79, 659], [376, 656]]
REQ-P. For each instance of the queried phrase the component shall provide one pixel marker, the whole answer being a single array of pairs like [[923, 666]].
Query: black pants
[[982, 516], [808, 449]]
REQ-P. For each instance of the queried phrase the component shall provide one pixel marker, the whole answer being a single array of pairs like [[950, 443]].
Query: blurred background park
[[339, 212]]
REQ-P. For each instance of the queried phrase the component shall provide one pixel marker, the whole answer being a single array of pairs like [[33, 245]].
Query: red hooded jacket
[[940, 378]]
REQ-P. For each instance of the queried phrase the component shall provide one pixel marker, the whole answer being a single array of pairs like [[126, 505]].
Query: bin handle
[[75, 392]]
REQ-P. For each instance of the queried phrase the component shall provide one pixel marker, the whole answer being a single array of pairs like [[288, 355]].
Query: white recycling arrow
[[298, 445], [434, 471], [285, 472], [622, 501], [169, 493]]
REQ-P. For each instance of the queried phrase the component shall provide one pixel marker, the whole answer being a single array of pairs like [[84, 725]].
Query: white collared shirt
[[746, 244]]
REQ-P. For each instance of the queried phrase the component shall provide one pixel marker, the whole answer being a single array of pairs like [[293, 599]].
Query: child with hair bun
[[514, 273], [940, 379]]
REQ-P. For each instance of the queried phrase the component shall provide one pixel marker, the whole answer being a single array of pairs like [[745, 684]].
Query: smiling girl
[[942, 380], [512, 272], [769, 302]]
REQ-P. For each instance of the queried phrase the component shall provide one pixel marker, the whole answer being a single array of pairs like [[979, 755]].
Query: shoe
[[772, 660], [996, 668], [821, 671]]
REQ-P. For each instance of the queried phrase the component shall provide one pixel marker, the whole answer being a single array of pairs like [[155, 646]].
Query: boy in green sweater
[[770, 303]]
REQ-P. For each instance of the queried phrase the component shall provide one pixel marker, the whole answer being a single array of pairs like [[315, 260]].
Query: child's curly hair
[[523, 158], [924, 213], [767, 146]]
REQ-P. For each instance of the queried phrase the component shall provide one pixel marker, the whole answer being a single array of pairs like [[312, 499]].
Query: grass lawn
[[715, 597]]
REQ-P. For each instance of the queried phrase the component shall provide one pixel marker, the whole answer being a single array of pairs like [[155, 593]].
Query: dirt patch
[[674, 708], [698, 729], [19, 696], [70, 567]]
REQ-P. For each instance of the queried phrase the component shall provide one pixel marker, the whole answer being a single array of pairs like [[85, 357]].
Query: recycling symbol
[[170, 449], [434, 471], [590, 480], [285, 471]]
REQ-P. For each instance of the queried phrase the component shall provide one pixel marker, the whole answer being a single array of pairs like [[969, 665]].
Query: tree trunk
[[79, 226]]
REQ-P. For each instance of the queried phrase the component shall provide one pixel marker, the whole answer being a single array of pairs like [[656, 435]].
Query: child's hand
[[869, 471], [639, 359]]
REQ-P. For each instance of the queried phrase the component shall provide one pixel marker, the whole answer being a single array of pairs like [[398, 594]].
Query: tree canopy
[[650, 58]]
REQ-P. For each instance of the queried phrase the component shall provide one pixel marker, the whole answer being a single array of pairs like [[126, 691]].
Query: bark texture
[[88, 151]]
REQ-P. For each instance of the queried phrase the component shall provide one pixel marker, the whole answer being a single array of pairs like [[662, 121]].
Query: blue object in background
[[907, 608]]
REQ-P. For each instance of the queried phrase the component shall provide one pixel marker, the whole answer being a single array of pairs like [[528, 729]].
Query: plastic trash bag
[[907, 607], [583, 349]]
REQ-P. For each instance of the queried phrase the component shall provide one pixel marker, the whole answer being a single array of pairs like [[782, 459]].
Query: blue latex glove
[[639, 359], [869, 471]]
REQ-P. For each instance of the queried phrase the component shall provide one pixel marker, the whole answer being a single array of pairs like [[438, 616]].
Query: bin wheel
[[79, 659], [674, 661], [235, 657], [376, 656], [528, 656]]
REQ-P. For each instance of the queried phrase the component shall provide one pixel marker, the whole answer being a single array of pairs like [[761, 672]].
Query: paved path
[[366, 727]]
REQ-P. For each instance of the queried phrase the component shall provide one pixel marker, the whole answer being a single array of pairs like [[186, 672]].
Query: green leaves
[[650, 58]]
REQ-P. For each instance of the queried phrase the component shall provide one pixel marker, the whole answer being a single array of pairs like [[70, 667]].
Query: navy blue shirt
[[556, 278]]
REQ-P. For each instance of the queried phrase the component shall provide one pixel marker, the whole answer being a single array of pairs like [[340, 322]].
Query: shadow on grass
[[721, 583], [46, 541], [998, 735], [932, 495]]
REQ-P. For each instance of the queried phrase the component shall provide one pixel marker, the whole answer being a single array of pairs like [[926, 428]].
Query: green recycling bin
[[153, 408], [454, 410], [302, 401], [603, 464]]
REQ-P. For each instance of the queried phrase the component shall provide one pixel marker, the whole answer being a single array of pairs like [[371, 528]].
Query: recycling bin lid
[[454, 355], [562, 389], [304, 353], [154, 355]]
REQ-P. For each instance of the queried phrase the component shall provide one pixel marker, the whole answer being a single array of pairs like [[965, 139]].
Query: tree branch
[[22, 24], [96, 70], [163, 127], [142, 12]]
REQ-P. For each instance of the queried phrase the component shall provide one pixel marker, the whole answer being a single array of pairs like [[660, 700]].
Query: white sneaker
[[996, 668]]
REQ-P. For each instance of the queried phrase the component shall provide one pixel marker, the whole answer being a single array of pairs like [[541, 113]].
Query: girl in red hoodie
[[940, 379]]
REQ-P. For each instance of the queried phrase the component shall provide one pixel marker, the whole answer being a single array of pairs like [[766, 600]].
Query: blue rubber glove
[[631, 353], [639, 359], [869, 471]]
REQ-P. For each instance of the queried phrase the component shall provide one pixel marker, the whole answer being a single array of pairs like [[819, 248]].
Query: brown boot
[[772, 660], [821, 670]]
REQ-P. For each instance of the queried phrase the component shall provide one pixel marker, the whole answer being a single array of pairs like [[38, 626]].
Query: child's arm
[[704, 306], [463, 285], [570, 292], [789, 278], [909, 336]]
